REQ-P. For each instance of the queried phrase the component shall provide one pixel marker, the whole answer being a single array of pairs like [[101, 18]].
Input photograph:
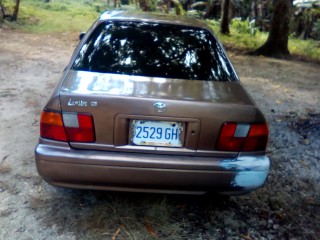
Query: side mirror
[[81, 35]]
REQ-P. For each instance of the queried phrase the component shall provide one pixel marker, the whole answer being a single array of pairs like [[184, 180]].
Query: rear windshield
[[154, 50]]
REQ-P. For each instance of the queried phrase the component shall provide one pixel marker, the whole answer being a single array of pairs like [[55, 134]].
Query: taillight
[[51, 126], [243, 137], [79, 127], [72, 127]]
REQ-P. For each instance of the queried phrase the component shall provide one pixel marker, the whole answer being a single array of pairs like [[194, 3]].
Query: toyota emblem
[[159, 107]]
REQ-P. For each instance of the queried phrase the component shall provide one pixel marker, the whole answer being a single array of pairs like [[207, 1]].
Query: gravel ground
[[287, 207]]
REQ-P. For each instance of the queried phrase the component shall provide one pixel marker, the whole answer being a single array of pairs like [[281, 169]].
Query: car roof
[[152, 17]]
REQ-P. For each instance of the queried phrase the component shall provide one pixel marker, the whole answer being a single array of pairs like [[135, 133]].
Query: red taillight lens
[[227, 141], [79, 127], [51, 126], [243, 137], [257, 137], [65, 127]]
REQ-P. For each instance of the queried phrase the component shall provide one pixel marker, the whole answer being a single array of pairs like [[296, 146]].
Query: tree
[[14, 15], [277, 41], [145, 5], [212, 9], [226, 16], [16, 11], [224, 26]]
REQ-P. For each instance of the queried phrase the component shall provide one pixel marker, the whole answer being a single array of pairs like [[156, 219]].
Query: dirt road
[[287, 207]]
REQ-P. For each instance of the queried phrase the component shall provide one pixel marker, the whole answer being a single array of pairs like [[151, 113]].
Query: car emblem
[[159, 107]]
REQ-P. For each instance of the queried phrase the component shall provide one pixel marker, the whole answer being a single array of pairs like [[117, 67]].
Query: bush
[[244, 26], [241, 40], [316, 30]]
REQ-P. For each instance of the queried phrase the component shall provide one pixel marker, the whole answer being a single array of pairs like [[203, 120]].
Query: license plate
[[156, 133]]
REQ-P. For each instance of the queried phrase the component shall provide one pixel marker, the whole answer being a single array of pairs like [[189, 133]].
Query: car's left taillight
[[72, 127]]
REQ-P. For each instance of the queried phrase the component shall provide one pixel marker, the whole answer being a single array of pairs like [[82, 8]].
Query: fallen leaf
[[182, 206], [313, 202], [151, 229], [116, 234], [304, 164], [307, 141], [246, 237]]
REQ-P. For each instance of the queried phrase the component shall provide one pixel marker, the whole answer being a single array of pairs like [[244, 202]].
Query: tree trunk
[[255, 9], [144, 5], [16, 11], [210, 10], [3, 10], [230, 12], [277, 42], [224, 27]]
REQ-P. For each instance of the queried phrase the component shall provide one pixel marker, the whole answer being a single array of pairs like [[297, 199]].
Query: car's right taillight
[[243, 137]]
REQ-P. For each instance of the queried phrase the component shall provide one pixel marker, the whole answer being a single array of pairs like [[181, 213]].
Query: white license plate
[[156, 133]]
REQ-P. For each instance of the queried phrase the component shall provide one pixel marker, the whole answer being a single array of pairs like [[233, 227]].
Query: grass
[[105, 215], [129, 218], [305, 49], [56, 16], [238, 40]]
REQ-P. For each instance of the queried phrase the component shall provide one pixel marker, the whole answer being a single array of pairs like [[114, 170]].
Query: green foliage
[[8, 5], [178, 7], [57, 15], [241, 35], [305, 49], [240, 39], [316, 30], [153, 5], [244, 26]]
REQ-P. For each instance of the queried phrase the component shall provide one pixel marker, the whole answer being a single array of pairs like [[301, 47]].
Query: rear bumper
[[61, 165]]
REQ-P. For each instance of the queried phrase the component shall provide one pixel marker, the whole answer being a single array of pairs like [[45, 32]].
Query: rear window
[[154, 50]]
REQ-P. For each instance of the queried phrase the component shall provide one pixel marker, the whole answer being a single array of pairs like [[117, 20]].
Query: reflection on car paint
[[82, 82]]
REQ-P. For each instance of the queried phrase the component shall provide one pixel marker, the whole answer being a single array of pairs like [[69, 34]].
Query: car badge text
[[81, 103], [159, 107]]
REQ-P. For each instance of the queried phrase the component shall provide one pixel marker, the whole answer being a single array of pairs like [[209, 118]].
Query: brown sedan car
[[152, 103]]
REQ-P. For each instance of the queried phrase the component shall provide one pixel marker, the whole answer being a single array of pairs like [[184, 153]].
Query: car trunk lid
[[117, 101]]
